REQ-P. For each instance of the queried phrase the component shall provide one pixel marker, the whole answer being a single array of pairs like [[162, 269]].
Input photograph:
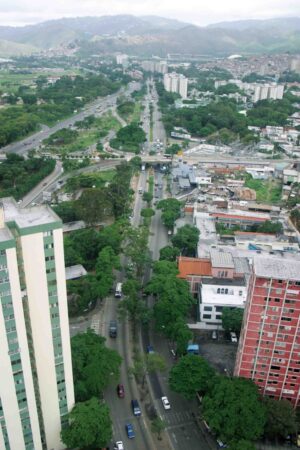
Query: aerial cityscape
[[150, 225]]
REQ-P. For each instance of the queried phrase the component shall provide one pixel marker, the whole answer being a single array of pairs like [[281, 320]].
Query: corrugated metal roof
[[221, 259]]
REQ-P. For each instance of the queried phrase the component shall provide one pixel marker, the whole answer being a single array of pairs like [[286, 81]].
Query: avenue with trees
[[172, 305], [95, 366], [171, 208], [56, 102]]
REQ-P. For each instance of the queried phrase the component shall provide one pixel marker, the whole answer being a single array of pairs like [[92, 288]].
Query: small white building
[[215, 294], [260, 173]]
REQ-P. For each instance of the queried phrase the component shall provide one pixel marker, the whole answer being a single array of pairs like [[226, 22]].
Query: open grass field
[[268, 191], [88, 137], [10, 82]]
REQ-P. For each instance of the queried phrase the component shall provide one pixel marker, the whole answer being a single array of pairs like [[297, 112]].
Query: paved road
[[100, 106], [49, 184]]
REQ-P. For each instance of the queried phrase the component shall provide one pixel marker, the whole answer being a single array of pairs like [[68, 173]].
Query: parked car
[[233, 337], [165, 402], [119, 445], [129, 430], [121, 391]]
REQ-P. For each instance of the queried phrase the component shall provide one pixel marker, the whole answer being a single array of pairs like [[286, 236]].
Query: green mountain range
[[152, 35]]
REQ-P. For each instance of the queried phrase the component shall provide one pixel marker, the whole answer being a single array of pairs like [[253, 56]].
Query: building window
[[218, 291], [47, 233], [277, 300], [207, 308], [206, 316]]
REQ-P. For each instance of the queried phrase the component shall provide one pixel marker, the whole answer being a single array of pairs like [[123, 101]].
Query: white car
[[233, 337], [119, 446], [165, 403]]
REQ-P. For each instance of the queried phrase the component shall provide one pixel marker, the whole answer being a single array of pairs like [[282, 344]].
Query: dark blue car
[[129, 430]]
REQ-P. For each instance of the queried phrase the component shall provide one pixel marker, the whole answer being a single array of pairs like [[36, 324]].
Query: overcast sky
[[200, 12]]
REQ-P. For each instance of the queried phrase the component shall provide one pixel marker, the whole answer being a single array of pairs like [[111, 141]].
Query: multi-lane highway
[[98, 106]]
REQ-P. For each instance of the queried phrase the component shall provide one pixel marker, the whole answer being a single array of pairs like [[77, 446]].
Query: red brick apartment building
[[269, 346]]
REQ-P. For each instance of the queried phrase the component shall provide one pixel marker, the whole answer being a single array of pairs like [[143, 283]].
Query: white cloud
[[201, 12]]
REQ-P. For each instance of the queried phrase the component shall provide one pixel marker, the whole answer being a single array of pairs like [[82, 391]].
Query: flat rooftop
[[5, 235], [27, 217], [277, 267]]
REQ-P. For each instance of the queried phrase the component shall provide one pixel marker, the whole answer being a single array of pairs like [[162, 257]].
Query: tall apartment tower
[[36, 381], [174, 82], [269, 346], [183, 86]]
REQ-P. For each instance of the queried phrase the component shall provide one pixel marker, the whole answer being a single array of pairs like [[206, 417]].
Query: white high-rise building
[[122, 59], [175, 82], [36, 381], [183, 86], [155, 66], [268, 91]]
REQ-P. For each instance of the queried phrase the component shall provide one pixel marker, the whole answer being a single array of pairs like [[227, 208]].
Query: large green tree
[[186, 239], [82, 246], [133, 305], [90, 425], [171, 208], [190, 375], [94, 365], [93, 206], [82, 294], [281, 419], [169, 253], [106, 262], [143, 365], [232, 319], [136, 247], [234, 410], [173, 302]]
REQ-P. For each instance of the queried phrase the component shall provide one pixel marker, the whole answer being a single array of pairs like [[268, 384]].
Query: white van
[[118, 291]]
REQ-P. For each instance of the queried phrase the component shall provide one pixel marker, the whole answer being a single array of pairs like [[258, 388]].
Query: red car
[[120, 391]]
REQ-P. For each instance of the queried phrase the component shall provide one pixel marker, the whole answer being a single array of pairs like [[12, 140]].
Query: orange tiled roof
[[193, 266]]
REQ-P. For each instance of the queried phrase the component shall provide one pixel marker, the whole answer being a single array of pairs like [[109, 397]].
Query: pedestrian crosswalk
[[95, 324], [177, 418]]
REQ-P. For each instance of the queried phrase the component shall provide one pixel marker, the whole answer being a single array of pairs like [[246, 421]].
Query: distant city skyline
[[198, 12]]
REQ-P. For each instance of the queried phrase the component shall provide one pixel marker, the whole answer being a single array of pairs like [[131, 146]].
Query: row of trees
[[95, 366], [172, 305], [232, 407]]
